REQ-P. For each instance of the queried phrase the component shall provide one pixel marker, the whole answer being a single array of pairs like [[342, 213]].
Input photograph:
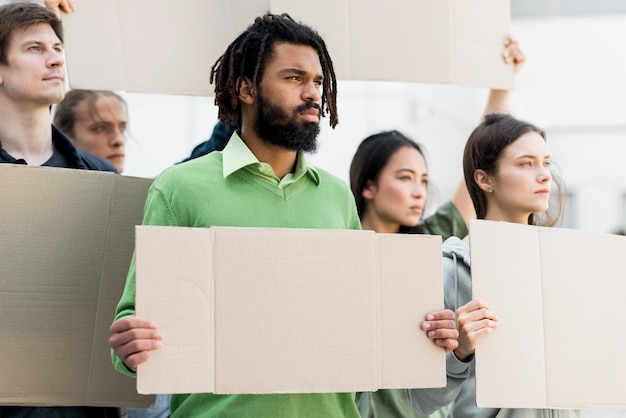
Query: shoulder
[[331, 181], [76, 157], [95, 163], [200, 168], [447, 221]]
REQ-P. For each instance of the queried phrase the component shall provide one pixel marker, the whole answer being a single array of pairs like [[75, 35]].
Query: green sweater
[[232, 188]]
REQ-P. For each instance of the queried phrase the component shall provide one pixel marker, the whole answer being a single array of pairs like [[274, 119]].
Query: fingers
[[475, 309], [133, 338], [131, 322], [439, 324], [56, 6], [66, 5], [513, 54], [445, 337], [445, 314], [449, 344], [440, 327], [475, 320]]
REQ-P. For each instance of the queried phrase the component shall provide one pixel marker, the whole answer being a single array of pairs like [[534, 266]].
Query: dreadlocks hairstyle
[[247, 55]]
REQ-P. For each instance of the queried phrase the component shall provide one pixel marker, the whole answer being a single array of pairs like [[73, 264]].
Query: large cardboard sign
[[153, 46], [256, 310], [66, 240], [559, 296]]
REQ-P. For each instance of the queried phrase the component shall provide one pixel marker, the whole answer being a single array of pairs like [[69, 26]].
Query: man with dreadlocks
[[272, 85]]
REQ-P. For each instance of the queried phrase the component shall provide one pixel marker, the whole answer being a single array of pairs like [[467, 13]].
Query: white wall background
[[573, 87]]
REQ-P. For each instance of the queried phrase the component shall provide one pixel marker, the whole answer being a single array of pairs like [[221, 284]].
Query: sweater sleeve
[[457, 284], [157, 211], [428, 400]]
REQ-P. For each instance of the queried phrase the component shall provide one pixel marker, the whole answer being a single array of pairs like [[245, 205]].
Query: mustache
[[308, 105]]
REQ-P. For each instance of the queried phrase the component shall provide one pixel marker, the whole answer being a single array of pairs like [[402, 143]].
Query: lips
[[54, 77], [312, 115]]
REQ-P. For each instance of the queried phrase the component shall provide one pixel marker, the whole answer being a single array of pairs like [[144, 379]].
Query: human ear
[[369, 190], [246, 90], [483, 180]]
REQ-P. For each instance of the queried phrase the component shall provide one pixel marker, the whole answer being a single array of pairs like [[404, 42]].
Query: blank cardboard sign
[[66, 241], [148, 46], [558, 294], [258, 310]]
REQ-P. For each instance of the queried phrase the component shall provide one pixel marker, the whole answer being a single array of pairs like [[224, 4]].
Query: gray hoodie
[[461, 389]]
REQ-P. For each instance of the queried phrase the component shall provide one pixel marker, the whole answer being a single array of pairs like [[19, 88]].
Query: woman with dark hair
[[507, 169], [389, 181]]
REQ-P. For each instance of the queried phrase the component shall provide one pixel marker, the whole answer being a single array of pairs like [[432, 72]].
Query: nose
[[419, 190], [55, 59], [117, 138], [545, 175], [312, 92]]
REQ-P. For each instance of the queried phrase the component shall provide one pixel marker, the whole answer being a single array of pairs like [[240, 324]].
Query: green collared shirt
[[238, 156]]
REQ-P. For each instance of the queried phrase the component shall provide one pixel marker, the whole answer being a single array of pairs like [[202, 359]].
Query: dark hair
[[19, 16], [370, 158], [247, 55], [483, 150], [65, 112]]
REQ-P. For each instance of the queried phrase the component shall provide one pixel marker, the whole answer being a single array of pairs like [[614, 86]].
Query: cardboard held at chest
[[558, 294], [66, 240], [257, 310]]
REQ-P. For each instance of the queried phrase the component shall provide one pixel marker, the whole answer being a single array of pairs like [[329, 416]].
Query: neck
[[282, 160], [26, 134], [518, 218], [376, 224]]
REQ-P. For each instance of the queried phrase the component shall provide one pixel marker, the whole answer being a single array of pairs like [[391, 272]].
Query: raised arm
[[497, 102]]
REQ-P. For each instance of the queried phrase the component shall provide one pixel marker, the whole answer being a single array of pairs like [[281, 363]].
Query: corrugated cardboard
[[559, 295], [150, 46], [255, 310], [66, 239]]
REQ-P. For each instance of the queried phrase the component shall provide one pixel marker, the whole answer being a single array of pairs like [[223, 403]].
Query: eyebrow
[[532, 156], [299, 71], [410, 170], [34, 41]]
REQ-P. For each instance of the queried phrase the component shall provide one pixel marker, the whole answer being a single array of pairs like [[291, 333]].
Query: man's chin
[[310, 147]]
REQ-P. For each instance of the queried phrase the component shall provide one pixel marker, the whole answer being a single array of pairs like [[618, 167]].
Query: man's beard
[[276, 126]]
